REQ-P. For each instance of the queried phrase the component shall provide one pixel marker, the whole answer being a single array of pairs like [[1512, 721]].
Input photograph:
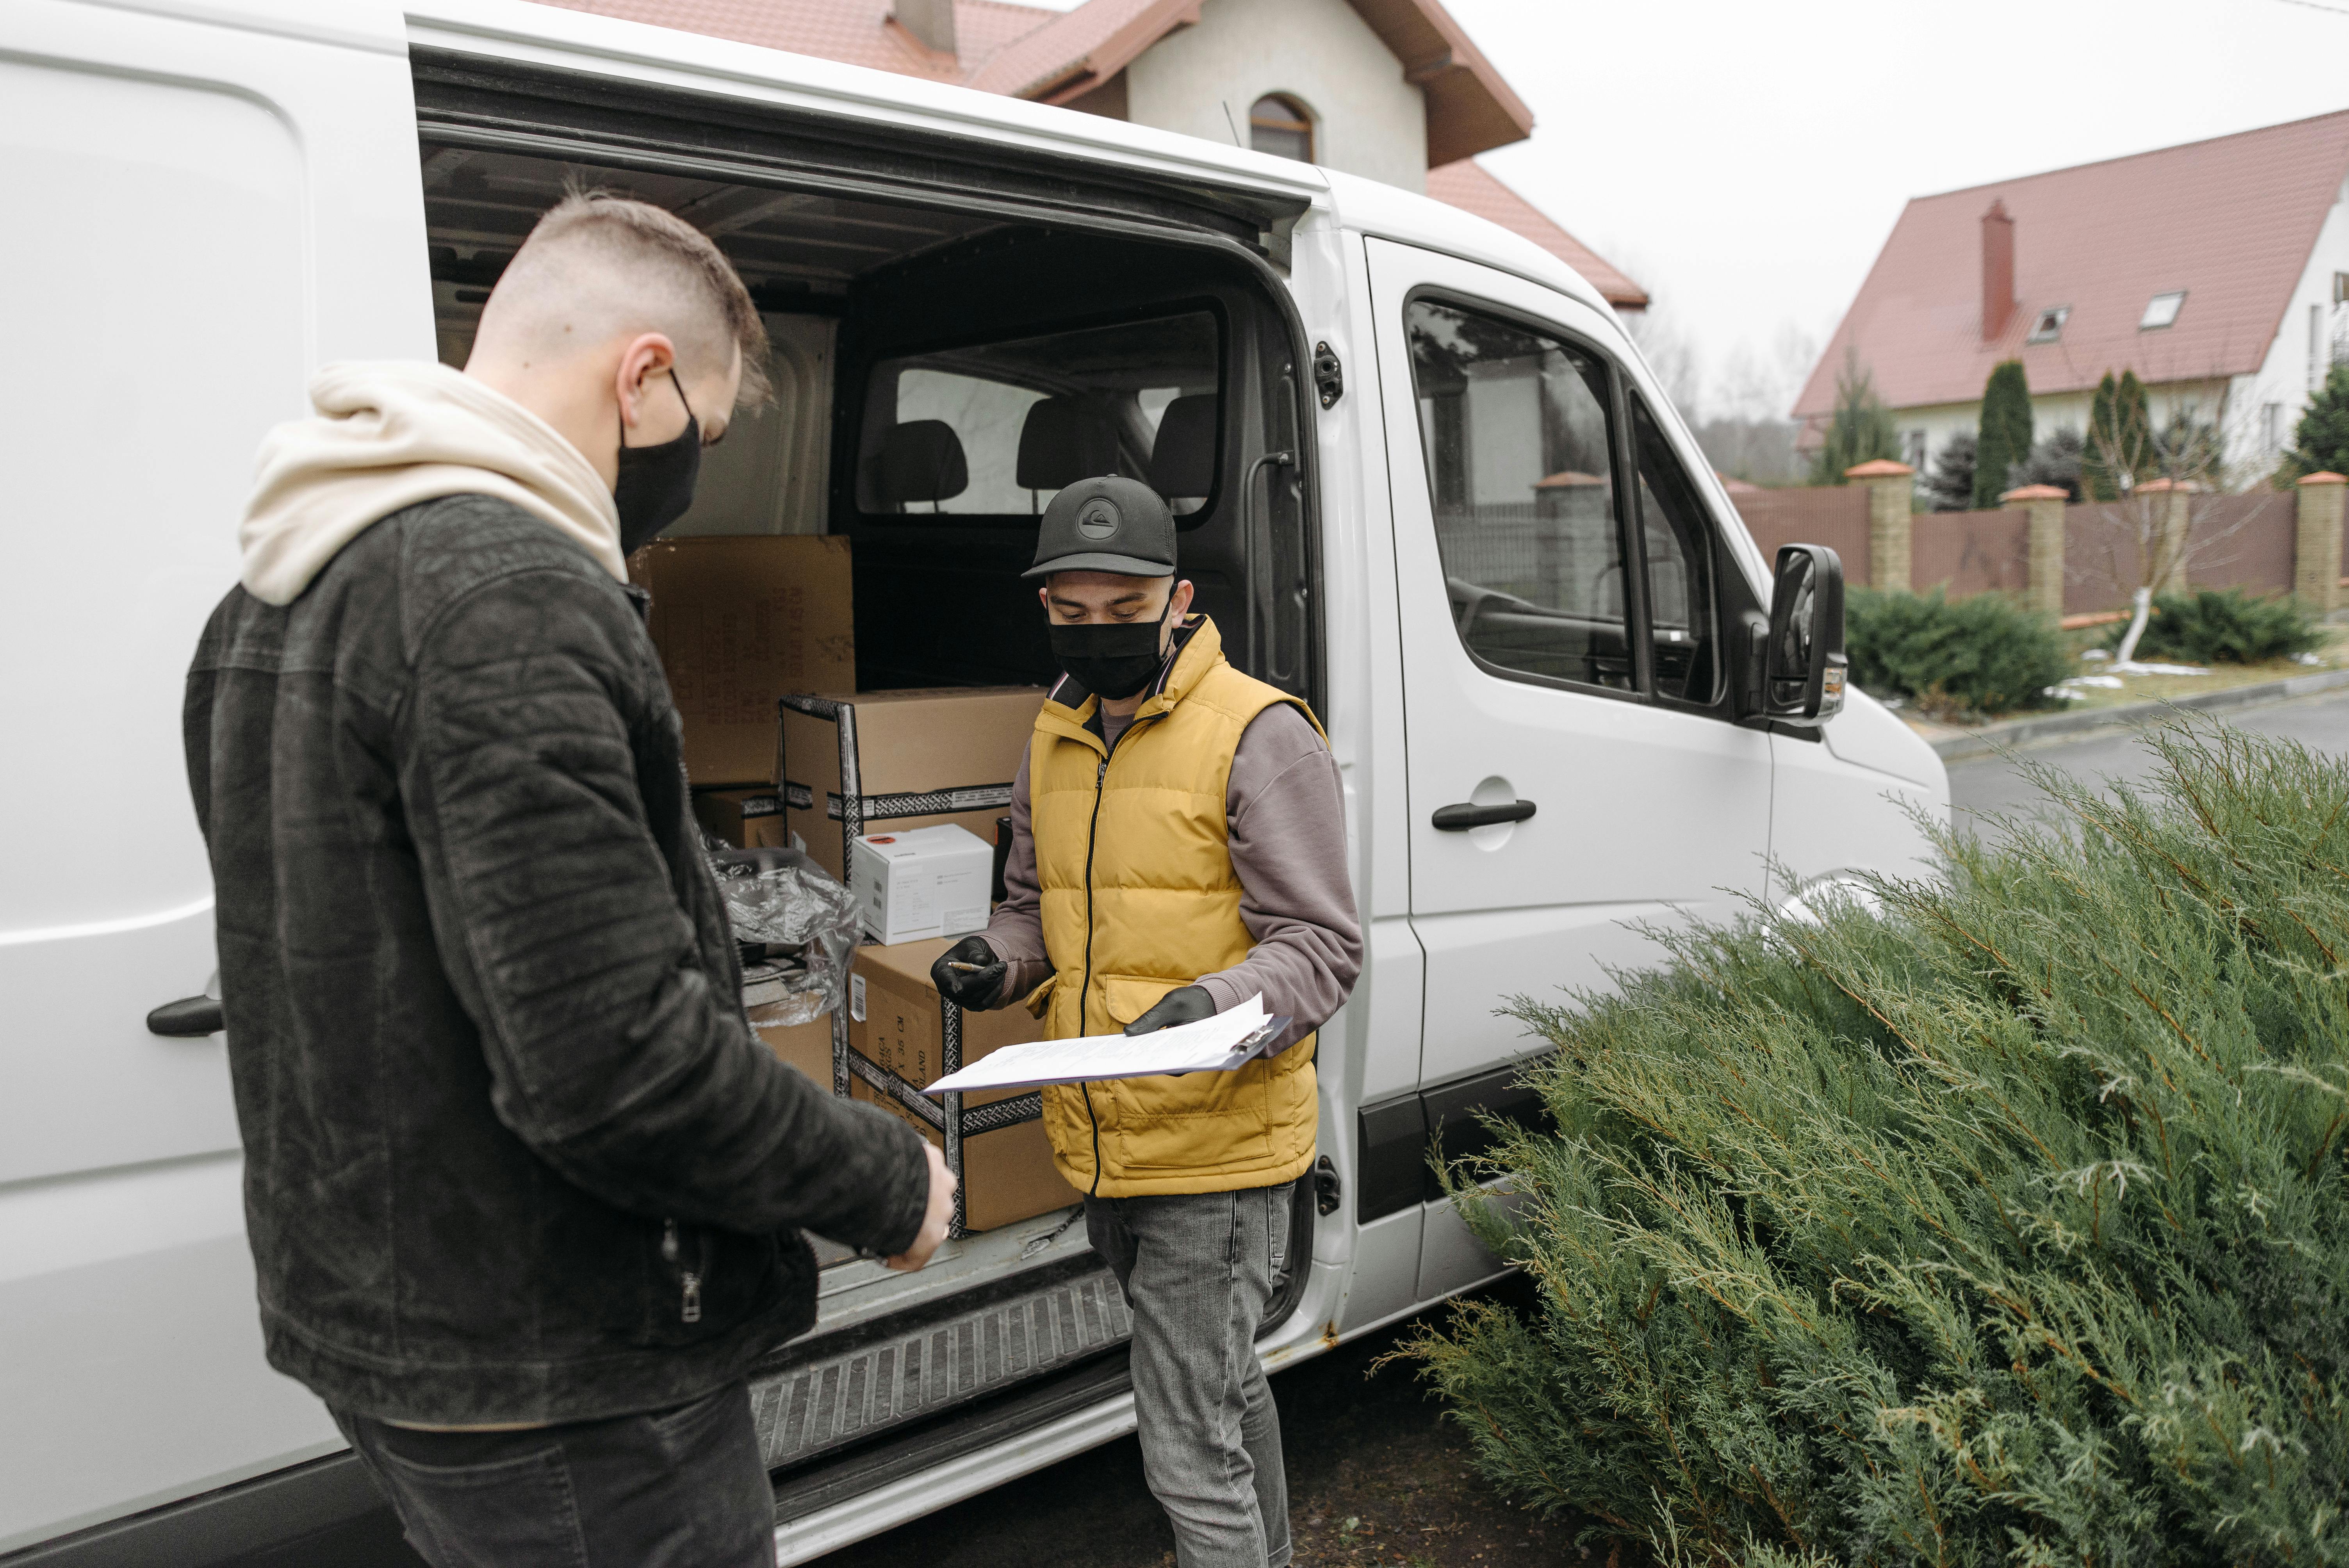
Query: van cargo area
[[937, 377]]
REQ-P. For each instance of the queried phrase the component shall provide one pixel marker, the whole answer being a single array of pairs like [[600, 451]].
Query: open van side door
[[202, 207], [1574, 765]]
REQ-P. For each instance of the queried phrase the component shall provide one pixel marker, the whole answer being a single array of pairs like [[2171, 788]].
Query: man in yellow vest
[[1178, 846]]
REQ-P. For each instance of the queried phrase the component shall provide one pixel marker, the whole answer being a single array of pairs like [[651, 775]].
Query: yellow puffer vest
[[1139, 898]]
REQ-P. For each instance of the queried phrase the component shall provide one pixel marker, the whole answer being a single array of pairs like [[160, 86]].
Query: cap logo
[[1098, 518]]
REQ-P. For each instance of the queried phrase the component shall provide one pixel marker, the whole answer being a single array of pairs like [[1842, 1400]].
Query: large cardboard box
[[1008, 1174], [746, 819], [807, 1046], [886, 762], [738, 621]]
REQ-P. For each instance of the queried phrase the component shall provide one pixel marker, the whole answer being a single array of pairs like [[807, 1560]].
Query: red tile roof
[[854, 32], [2229, 220], [1024, 51], [1467, 186]]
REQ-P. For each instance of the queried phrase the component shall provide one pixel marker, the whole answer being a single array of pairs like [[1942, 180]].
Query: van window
[[1685, 625], [996, 430], [1521, 472]]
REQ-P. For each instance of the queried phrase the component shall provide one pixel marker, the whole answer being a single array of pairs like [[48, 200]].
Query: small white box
[[929, 881]]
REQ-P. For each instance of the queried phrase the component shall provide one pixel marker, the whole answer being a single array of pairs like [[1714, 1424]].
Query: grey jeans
[[670, 1489], [1198, 1271]]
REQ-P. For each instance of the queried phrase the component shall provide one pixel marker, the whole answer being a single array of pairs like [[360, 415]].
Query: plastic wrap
[[796, 927]]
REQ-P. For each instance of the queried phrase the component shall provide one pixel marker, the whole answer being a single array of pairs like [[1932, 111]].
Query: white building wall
[[1367, 119], [2293, 367]]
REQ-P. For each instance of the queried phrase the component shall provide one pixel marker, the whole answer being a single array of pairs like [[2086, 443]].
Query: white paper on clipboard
[[1211, 1044]]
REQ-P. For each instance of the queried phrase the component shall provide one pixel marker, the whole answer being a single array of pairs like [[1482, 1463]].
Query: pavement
[[1983, 787]]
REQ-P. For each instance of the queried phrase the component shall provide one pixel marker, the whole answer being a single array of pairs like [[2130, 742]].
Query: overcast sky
[[1744, 162], [1745, 159]]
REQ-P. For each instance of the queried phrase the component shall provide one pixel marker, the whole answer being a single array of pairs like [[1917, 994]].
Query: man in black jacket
[[524, 1191]]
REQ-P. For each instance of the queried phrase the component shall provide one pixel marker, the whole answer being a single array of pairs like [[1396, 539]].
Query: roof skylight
[[2161, 310], [2048, 326]]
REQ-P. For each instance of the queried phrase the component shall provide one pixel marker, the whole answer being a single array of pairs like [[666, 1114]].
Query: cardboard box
[[807, 1046], [1008, 1174], [922, 882], [738, 621], [746, 819], [887, 761]]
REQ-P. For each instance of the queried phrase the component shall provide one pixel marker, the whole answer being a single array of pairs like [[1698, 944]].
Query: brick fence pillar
[[2316, 554], [2043, 590], [1892, 488], [2174, 515]]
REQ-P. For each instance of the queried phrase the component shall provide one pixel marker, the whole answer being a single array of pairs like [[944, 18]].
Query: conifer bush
[[1981, 654], [2210, 628], [2001, 1217]]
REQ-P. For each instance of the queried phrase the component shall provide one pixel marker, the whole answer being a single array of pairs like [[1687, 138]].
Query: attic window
[[2049, 326], [1279, 125], [2161, 310]]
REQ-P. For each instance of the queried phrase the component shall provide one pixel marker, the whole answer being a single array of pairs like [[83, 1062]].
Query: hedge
[[1982, 654], [2000, 1217]]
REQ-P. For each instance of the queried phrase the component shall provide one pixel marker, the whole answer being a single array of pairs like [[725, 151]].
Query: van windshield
[[995, 429]]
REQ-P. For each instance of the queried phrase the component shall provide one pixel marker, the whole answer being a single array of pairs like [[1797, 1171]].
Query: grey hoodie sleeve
[[1017, 932], [1288, 827]]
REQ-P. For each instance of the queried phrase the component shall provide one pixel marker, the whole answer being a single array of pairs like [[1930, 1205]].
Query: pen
[[966, 968]]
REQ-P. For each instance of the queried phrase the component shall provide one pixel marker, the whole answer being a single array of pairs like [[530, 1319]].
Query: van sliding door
[[199, 215]]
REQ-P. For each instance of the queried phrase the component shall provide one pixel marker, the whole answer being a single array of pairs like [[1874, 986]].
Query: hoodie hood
[[392, 433]]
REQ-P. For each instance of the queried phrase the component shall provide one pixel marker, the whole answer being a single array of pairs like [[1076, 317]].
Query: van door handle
[[190, 1017], [1468, 814]]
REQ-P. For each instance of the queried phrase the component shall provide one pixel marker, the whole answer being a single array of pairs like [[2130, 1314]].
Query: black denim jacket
[[513, 1152]]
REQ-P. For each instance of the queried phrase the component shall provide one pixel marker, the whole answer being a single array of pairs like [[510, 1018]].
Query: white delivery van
[[1425, 483]]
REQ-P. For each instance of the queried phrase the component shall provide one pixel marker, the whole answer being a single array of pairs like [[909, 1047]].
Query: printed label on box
[[856, 997]]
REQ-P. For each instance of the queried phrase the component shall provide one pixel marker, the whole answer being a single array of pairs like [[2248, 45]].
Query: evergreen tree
[[2320, 443], [2006, 439], [2057, 461], [1950, 486], [1859, 432], [2120, 444]]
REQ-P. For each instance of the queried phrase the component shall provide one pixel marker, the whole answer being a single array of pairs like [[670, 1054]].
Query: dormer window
[[1278, 124], [2161, 310], [2048, 326]]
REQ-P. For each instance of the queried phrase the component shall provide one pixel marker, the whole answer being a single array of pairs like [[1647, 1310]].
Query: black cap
[[1108, 524]]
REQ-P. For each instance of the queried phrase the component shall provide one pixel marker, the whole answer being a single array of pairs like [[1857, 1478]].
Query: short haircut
[[679, 282]]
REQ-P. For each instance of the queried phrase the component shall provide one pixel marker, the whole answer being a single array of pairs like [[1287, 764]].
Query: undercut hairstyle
[[596, 255]]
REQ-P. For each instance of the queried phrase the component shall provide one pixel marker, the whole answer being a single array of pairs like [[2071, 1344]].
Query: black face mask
[[655, 483], [1111, 661]]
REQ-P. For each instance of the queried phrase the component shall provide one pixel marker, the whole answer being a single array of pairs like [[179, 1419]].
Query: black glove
[[978, 985], [1187, 1005]]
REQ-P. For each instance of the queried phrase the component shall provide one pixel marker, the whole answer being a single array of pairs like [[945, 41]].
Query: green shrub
[[2207, 627], [2005, 1221], [1982, 654]]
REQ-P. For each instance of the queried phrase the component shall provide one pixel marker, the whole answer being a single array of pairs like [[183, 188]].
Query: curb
[[1989, 740]]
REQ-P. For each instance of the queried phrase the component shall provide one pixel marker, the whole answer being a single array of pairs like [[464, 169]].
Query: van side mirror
[[1803, 673]]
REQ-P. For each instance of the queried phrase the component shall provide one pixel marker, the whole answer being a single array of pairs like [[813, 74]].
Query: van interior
[[938, 376]]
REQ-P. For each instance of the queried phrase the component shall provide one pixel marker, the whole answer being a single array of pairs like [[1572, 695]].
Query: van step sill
[[865, 1389]]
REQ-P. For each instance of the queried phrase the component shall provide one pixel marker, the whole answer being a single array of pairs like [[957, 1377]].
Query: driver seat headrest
[[1065, 440], [921, 459]]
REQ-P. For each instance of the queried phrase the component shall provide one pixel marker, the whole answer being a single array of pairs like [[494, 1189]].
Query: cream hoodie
[[391, 433]]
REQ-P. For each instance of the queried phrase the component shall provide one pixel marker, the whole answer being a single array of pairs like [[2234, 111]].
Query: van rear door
[[201, 207], [1572, 761]]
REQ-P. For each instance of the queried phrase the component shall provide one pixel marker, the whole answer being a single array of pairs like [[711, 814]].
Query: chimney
[[931, 21], [1998, 271]]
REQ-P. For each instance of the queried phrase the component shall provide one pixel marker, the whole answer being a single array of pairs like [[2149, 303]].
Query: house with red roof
[[2218, 270], [1391, 89]]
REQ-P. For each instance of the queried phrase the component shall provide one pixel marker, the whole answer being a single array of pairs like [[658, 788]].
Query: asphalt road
[[1985, 787]]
